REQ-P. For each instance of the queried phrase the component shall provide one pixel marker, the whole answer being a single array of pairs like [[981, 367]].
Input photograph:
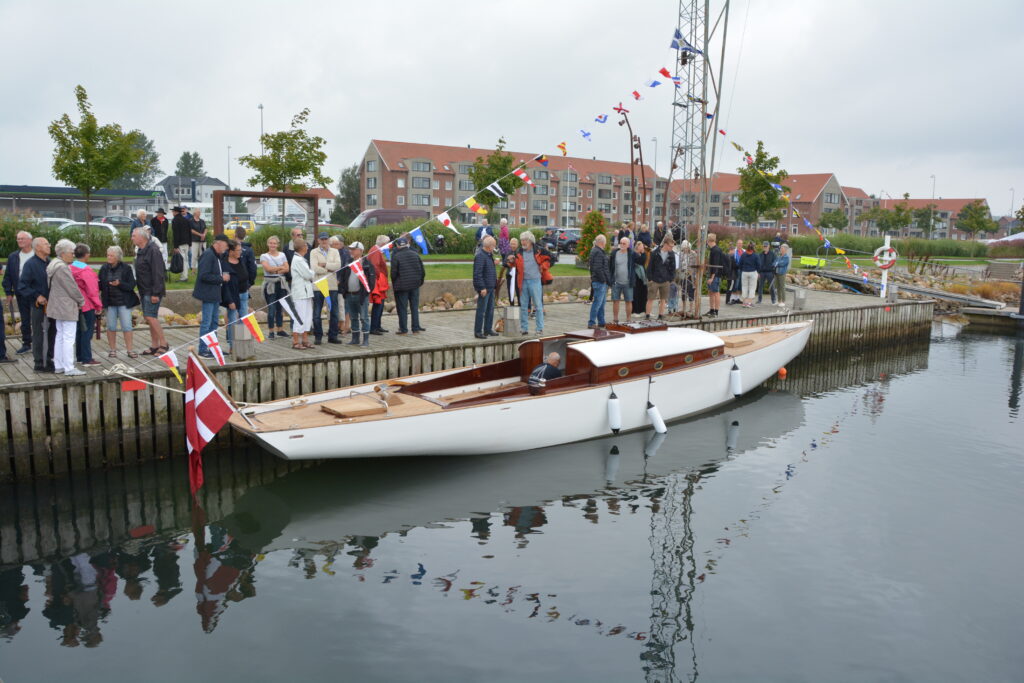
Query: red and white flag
[[207, 409], [444, 219], [521, 174], [357, 268], [210, 339]]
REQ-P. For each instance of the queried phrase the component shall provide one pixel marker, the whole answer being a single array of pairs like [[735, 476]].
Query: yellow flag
[[840, 251], [321, 284]]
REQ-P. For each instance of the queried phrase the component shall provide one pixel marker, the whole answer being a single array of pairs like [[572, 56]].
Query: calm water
[[859, 521]]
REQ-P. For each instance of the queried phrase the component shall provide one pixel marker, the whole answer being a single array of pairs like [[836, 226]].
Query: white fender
[[614, 413], [655, 417], [611, 465], [735, 381], [654, 443]]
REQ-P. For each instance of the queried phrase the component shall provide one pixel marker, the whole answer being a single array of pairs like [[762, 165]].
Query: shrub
[[593, 225], [1006, 251]]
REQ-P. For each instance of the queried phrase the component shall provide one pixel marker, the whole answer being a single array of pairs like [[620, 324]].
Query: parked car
[[372, 217], [52, 222], [568, 238], [123, 222], [94, 226], [229, 228]]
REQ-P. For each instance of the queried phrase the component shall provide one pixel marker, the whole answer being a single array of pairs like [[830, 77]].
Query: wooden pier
[[54, 425]]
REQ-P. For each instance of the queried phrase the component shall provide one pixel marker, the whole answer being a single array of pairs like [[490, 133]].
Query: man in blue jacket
[[210, 279], [15, 262], [766, 271], [485, 280], [33, 285]]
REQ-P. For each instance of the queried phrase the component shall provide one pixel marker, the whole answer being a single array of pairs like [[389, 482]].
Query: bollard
[[799, 299], [511, 317], [892, 292]]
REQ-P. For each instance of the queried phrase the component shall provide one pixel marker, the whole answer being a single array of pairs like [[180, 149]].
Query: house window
[[657, 211], [604, 194], [522, 220], [421, 166], [571, 177], [421, 200], [627, 209], [604, 179], [400, 200], [371, 200], [569, 191], [716, 198], [590, 194], [465, 169], [540, 189], [540, 205], [831, 198], [540, 174], [735, 198], [401, 183], [421, 183], [628, 196], [371, 165], [371, 183], [437, 201], [604, 208], [466, 185], [522, 206], [448, 186], [437, 185], [540, 220]]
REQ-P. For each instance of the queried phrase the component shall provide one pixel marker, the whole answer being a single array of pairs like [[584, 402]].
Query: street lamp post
[[655, 141], [261, 128]]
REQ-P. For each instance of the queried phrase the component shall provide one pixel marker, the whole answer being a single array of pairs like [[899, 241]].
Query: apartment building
[[436, 177], [946, 213]]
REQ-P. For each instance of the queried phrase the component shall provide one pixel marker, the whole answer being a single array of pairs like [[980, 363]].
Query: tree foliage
[[88, 156], [834, 220], [975, 218], [291, 160], [346, 207], [190, 165], [593, 225], [1020, 220], [744, 214], [143, 177], [890, 220], [757, 197], [924, 218], [487, 170]]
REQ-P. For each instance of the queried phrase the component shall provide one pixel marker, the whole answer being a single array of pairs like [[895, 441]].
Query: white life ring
[[885, 257]]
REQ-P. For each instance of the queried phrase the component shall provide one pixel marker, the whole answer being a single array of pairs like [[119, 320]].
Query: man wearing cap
[[325, 262], [356, 291], [407, 276], [158, 226], [181, 229], [210, 279], [766, 271]]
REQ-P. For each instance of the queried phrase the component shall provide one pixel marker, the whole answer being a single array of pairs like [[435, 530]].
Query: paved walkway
[[442, 329]]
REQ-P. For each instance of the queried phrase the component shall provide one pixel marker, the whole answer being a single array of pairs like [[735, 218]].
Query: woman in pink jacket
[[89, 285]]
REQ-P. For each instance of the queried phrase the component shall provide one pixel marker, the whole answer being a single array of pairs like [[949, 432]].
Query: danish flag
[[357, 268], [207, 409]]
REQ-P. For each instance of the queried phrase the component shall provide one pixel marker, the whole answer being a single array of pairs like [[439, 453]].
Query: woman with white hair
[[63, 306], [117, 292], [302, 295], [684, 273]]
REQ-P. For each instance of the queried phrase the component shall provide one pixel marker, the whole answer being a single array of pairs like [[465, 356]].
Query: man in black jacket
[[181, 238], [661, 270], [158, 226], [34, 285], [407, 277], [149, 274], [485, 281], [600, 279], [356, 290], [249, 260], [620, 272], [765, 271], [718, 265], [15, 261]]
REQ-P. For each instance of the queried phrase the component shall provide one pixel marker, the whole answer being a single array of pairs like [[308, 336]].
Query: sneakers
[[73, 372], [418, 329], [25, 348], [90, 362]]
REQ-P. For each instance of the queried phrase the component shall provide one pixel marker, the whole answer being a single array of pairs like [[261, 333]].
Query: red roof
[[952, 205], [804, 187], [855, 193], [392, 153]]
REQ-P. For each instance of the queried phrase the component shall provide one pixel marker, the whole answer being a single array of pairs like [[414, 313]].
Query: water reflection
[[1016, 375]]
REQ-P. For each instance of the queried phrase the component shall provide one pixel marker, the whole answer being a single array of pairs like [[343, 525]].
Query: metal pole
[[655, 141], [261, 128], [931, 220], [632, 169], [229, 167]]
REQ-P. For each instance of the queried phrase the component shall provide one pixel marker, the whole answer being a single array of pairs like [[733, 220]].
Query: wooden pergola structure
[[220, 195]]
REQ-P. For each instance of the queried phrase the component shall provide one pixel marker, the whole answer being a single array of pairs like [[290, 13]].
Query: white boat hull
[[537, 421]]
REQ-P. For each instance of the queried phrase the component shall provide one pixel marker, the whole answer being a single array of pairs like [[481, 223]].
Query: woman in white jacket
[[302, 294]]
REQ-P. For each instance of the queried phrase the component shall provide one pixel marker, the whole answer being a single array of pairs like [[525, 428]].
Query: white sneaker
[[73, 372]]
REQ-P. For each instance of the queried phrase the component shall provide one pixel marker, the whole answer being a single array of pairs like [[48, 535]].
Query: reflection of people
[[361, 551], [167, 573], [131, 567], [13, 601], [85, 601], [545, 371], [526, 520], [219, 567]]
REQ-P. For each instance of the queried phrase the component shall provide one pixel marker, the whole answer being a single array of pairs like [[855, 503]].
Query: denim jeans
[[332, 317], [275, 314], [44, 332], [410, 300], [208, 322], [83, 336], [599, 291], [358, 309], [376, 312], [484, 321], [25, 306], [762, 280], [532, 294], [231, 317], [243, 309]]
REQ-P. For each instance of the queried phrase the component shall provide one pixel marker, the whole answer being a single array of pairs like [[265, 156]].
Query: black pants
[[409, 300], [44, 332], [25, 311]]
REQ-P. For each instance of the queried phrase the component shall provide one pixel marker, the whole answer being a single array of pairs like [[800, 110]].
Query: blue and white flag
[[419, 239], [586, 134], [776, 186], [828, 245], [679, 43], [601, 118]]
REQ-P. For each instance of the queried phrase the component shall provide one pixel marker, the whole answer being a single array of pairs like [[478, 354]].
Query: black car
[[568, 238]]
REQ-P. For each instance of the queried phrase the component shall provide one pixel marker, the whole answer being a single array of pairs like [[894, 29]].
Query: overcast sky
[[885, 93]]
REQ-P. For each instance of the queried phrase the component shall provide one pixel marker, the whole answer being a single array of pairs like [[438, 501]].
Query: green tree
[[834, 219], [1020, 220], [593, 225], [975, 218], [757, 196], [88, 156], [190, 165], [143, 178], [890, 220], [346, 206], [489, 169], [924, 218], [291, 160], [744, 214]]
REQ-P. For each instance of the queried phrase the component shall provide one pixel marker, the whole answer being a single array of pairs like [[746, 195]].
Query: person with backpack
[[181, 241]]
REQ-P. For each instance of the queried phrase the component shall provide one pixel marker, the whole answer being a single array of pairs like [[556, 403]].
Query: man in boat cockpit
[[542, 373]]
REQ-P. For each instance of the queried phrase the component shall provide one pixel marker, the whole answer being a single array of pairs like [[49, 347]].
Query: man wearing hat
[[325, 262], [407, 277], [158, 226], [356, 291], [181, 229], [766, 271]]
